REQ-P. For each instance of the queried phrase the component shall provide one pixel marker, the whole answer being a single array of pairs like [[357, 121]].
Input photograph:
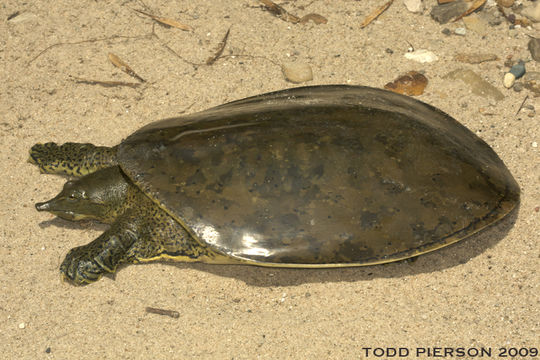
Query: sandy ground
[[482, 292]]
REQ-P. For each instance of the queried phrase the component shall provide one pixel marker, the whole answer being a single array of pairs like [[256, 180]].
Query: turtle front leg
[[71, 158], [86, 264]]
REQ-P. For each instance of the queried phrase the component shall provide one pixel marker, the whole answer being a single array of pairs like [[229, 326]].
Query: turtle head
[[100, 195]]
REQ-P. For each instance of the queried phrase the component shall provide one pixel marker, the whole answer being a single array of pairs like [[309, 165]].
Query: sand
[[480, 293]]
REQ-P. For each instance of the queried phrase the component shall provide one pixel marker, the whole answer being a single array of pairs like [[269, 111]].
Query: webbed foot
[[86, 264], [80, 268]]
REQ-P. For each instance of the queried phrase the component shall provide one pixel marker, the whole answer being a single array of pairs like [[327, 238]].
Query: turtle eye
[[73, 195], [78, 195]]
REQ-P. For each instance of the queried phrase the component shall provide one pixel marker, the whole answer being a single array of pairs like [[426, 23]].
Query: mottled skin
[[140, 230], [323, 176], [72, 158]]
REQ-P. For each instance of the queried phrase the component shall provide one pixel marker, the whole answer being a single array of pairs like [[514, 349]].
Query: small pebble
[[22, 325], [534, 144], [48, 350], [509, 80], [446, 31], [492, 17], [460, 31], [297, 72], [412, 83], [446, 12], [474, 23], [534, 48], [518, 87], [532, 12], [414, 6], [506, 3], [518, 70], [422, 56], [477, 85]]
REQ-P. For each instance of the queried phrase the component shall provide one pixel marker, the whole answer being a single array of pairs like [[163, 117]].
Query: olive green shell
[[321, 176]]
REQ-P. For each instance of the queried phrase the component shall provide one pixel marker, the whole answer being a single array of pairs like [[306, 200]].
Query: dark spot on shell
[[392, 186], [422, 234], [382, 138], [369, 220], [428, 203], [348, 249]]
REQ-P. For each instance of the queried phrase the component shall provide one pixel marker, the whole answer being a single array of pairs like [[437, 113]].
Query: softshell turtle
[[323, 176]]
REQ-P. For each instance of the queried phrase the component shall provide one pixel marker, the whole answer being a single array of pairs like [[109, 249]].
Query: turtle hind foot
[[71, 158]]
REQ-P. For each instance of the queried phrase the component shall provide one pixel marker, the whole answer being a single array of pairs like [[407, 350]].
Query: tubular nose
[[42, 206]]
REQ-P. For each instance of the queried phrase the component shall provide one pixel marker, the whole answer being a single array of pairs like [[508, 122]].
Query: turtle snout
[[43, 206]]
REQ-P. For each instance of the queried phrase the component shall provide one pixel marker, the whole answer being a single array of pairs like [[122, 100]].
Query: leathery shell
[[321, 176]]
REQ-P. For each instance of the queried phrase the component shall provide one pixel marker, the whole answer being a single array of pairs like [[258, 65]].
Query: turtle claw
[[80, 268]]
